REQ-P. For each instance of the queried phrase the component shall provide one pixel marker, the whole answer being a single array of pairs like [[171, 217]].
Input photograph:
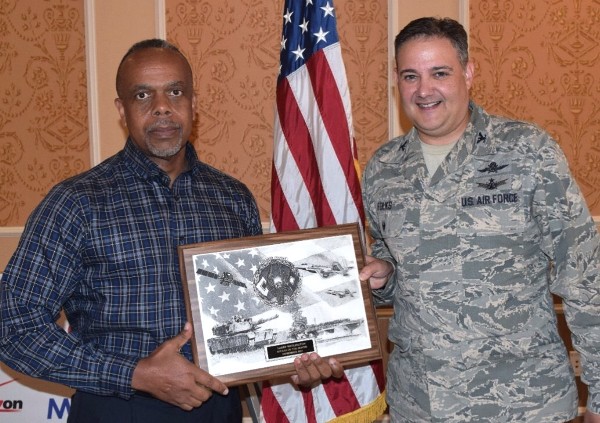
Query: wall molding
[[92, 81], [160, 19], [11, 231]]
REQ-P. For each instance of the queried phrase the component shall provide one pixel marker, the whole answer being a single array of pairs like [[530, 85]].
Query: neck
[[173, 166], [449, 138]]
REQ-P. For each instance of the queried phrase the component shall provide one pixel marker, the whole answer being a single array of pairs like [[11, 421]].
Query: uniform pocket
[[492, 217], [391, 221], [492, 205], [400, 232]]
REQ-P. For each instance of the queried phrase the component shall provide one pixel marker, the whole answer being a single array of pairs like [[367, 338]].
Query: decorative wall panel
[[540, 61], [363, 34], [234, 50], [43, 101]]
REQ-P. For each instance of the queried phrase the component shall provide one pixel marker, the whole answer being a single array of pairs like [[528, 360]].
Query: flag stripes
[[315, 182], [311, 113]]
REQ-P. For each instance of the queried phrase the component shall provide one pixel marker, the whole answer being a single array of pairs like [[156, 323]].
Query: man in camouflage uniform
[[469, 247]]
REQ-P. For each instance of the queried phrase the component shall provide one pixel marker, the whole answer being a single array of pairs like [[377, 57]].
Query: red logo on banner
[[10, 406]]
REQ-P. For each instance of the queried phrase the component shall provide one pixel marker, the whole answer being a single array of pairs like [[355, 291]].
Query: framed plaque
[[258, 302]]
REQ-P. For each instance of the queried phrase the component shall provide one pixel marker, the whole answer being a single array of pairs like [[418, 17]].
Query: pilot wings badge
[[492, 184]]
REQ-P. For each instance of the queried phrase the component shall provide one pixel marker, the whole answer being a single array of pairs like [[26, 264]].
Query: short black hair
[[436, 27], [149, 44]]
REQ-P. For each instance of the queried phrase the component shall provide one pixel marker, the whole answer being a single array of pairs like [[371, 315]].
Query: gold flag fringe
[[366, 414]]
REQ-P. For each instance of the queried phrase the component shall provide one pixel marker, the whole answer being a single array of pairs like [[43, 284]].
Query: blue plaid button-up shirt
[[103, 246]]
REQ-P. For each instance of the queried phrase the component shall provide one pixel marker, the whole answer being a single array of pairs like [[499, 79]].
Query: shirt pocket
[[492, 226], [399, 229], [491, 213], [391, 220]]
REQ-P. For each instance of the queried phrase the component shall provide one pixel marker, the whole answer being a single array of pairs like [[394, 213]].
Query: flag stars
[[224, 297], [328, 10], [288, 16], [321, 35], [213, 311], [299, 53], [240, 263], [240, 306], [304, 25], [210, 288], [283, 41]]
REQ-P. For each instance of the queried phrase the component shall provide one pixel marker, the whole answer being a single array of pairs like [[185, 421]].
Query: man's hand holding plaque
[[312, 368]]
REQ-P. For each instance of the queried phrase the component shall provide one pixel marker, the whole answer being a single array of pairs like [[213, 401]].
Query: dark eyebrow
[[138, 87], [433, 69], [438, 68], [406, 71], [169, 85], [175, 84]]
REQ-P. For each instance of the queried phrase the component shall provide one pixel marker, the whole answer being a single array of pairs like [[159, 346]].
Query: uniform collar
[[475, 141]]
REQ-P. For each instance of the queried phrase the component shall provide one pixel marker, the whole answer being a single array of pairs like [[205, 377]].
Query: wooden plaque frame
[[258, 302]]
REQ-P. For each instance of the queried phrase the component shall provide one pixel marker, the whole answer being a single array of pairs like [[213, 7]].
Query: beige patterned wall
[[43, 109], [234, 49], [535, 60], [540, 61]]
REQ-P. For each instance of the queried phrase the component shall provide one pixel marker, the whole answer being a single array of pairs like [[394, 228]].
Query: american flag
[[315, 174], [315, 182]]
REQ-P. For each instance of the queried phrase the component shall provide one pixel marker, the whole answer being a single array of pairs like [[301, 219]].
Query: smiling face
[[157, 102], [434, 88]]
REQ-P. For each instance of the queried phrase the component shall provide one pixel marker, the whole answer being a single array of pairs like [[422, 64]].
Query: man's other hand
[[170, 377]]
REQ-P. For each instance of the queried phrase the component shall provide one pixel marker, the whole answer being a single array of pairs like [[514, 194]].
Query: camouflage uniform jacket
[[478, 248]]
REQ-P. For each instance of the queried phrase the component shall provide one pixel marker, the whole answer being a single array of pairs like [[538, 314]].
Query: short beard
[[165, 153]]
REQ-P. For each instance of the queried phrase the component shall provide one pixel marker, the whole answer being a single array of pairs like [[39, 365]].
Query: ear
[[469, 73], [121, 110]]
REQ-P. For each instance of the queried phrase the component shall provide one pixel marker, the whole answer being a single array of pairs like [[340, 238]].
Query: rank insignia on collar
[[481, 137], [493, 167], [491, 184]]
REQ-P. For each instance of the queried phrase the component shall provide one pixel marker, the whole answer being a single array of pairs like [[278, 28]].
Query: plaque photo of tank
[[240, 334], [256, 308]]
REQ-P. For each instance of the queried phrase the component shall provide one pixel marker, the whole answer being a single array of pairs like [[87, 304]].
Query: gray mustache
[[164, 123]]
